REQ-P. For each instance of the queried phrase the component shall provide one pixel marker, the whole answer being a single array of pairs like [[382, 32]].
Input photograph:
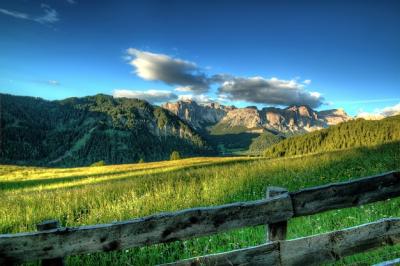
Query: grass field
[[91, 195]]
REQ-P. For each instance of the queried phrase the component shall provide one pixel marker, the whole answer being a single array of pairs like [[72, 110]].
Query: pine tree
[[175, 156]]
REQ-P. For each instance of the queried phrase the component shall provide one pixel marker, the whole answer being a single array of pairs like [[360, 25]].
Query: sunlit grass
[[34, 179], [91, 195]]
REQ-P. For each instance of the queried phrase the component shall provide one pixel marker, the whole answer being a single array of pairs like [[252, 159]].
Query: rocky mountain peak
[[291, 119], [302, 110], [198, 115], [334, 116]]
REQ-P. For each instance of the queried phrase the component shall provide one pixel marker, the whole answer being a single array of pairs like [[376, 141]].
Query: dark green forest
[[81, 131], [264, 141], [351, 134]]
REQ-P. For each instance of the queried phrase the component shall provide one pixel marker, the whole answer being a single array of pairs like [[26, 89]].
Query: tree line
[[351, 134]]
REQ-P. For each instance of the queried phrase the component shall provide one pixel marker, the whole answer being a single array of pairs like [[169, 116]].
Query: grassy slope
[[78, 196]]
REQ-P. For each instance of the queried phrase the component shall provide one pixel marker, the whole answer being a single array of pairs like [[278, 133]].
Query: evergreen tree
[[175, 156], [99, 163]]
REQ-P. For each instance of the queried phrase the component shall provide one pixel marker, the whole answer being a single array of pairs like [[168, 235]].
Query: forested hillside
[[264, 141], [356, 133], [80, 131]]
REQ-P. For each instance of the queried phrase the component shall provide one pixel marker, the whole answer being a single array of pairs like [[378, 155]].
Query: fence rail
[[309, 250], [190, 223]]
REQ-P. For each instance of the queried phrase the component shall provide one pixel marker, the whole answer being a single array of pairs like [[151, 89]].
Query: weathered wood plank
[[276, 231], [48, 225], [333, 246], [266, 254], [346, 194], [154, 229], [312, 250]]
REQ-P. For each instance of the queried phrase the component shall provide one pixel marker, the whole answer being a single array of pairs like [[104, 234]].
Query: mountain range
[[250, 130], [81, 131], [220, 118]]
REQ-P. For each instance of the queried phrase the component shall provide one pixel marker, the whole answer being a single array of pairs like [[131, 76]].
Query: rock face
[[198, 115], [334, 116], [291, 119], [242, 117]]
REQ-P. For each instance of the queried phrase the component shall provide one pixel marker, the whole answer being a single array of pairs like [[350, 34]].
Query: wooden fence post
[[47, 225], [276, 231]]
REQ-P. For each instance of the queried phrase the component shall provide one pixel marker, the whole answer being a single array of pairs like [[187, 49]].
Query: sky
[[325, 54]]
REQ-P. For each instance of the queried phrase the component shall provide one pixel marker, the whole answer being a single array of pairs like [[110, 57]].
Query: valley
[[81, 131], [232, 130]]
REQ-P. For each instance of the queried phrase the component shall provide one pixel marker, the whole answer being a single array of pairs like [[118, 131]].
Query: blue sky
[[327, 54]]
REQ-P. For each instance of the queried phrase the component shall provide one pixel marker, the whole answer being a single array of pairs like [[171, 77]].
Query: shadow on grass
[[13, 185]]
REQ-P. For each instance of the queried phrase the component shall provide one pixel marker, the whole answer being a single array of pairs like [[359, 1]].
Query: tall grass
[[80, 196]]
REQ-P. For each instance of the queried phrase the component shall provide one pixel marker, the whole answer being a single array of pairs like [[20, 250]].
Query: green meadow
[[103, 194]]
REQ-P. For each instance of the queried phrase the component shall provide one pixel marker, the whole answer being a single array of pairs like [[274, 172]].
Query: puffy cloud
[[185, 88], [50, 15], [152, 96], [188, 77], [391, 110], [172, 71], [369, 116], [200, 98], [268, 91], [380, 113]]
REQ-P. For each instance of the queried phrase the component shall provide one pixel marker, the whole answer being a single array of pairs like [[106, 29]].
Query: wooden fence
[[51, 243]]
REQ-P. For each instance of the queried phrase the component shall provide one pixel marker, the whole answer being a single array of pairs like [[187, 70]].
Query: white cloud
[[172, 71], [223, 98], [185, 88], [200, 98], [53, 82], [152, 96], [14, 14], [369, 116], [380, 113], [187, 77], [391, 110], [315, 94], [269, 91], [50, 15]]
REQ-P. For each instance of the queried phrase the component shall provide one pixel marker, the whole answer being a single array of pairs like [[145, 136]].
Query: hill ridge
[[37, 131], [351, 134]]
